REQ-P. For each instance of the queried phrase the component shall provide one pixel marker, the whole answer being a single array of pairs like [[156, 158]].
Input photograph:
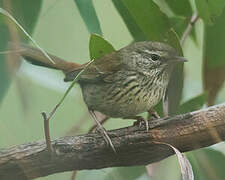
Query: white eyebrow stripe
[[152, 52]]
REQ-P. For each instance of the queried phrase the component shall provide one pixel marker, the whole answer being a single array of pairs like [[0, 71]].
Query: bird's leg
[[102, 130], [152, 114], [140, 120], [101, 121]]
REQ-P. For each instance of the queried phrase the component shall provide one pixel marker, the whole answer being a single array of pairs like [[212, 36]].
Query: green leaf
[[175, 87], [193, 104], [4, 74], [129, 173], [180, 7], [215, 42], [174, 91], [88, 14], [131, 24], [214, 58], [149, 18], [26, 12], [207, 164], [98, 47], [208, 10]]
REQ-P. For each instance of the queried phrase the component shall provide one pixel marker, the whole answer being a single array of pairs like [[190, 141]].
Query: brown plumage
[[124, 83]]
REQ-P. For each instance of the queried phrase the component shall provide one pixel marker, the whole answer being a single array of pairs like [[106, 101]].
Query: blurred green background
[[61, 31]]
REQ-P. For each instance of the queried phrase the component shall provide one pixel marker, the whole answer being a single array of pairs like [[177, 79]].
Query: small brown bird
[[121, 84]]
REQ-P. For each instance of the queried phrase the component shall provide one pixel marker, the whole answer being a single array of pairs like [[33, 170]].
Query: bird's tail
[[36, 57]]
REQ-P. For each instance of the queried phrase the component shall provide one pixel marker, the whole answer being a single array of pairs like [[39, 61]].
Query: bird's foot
[[152, 115], [102, 131], [140, 121]]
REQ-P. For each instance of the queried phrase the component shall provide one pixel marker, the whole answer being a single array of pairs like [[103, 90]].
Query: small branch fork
[[47, 129], [134, 145]]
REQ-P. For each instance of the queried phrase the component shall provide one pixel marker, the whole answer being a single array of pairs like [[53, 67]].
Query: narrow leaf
[[11, 18], [214, 58], [4, 74], [180, 7], [208, 10], [207, 164], [89, 16], [128, 19], [185, 165], [27, 13], [149, 18], [174, 91]]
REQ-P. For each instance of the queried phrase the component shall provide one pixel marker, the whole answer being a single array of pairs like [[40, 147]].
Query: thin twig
[[7, 14], [47, 129], [12, 51], [191, 24], [47, 132]]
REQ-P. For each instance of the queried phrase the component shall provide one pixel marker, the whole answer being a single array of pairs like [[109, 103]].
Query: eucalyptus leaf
[[148, 16], [98, 46], [26, 12], [89, 16], [4, 74], [128, 19], [174, 91], [209, 10], [207, 164], [185, 165], [214, 58], [180, 7]]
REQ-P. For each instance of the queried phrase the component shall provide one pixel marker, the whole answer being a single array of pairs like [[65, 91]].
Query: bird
[[120, 84]]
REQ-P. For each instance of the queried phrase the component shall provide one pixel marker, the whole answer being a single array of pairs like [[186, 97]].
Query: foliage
[[153, 20], [26, 13]]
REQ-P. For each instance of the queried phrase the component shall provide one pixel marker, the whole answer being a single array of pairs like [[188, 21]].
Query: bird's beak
[[178, 59]]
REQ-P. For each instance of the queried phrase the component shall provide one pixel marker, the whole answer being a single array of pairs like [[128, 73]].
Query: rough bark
[[134, 146]]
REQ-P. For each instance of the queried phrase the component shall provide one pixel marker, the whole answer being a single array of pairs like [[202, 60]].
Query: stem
[[47, 132], [191, 24]]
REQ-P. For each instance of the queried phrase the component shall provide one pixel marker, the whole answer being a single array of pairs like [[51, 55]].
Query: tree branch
[[133, 144]]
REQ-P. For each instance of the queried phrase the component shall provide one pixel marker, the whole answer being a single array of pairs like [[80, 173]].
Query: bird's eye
[[155, 57]]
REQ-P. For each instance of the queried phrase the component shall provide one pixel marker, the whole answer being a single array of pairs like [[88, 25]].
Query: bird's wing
[[99, 69]]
